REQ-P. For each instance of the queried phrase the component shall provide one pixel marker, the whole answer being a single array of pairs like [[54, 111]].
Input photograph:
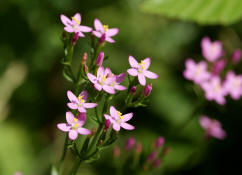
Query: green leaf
[[201, 11]]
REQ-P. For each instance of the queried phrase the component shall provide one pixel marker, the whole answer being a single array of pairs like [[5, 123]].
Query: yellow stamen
[[142, 64], [75, 120], [105, 28], [104, 78], [76, 20], [80, 98], [120, 115]]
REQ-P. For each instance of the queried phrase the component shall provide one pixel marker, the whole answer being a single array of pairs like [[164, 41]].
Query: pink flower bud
[[147, 90], [74, 38], [102, 39], [130, 144], [116, 152], [107, 125], [152, 156], [133, 90], [138, 148], [159, 142], [100, 58], [157, 163], [218, 67], [236, 56], [84, 59]]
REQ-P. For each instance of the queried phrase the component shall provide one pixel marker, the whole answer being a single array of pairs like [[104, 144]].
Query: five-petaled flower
[[79, 102], [104, 32], [74, 125], [140, 70], [73, 25], [233, 85], [118, 120], [212, 127]]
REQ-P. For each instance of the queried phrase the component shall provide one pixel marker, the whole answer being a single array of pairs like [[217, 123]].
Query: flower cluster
[[208, 73]]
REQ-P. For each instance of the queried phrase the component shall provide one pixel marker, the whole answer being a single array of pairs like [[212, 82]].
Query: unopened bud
[[157, 163], [130, 143], [84, 59], [147, 90], [74, 38], [159, 142], [116, 152], [107, 125], [133, 90], [100, 58], [85, 68], [81, 116], [138, 148], [102, 39], [236, 56], [152, 156], [218, 67]]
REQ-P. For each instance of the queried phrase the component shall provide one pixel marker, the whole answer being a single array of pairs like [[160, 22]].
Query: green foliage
[[223, 12]]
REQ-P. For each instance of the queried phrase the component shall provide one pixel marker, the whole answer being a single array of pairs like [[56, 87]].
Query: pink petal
[[92, 78], [69, 117], [113, 112], [107, 117], [150, 74], [98, 87], [78, 17], [120, 87], [85, 28], [72, 97], [80, 34], [81, 118], [69, 29], [97, 34], [218, 133], [81, 109], [120, 77], [73, 134], [146, 63], [108, 89], [98, 25], [204, 122], [84, 94], [133, 63], [127, 117], [100, 72], [110, 40], [132, 72], [127, 126], [72, 105], [116, 127], [63, 127], [141, 79], [90, 105], [112, 32], [66, 21], [83, 131]]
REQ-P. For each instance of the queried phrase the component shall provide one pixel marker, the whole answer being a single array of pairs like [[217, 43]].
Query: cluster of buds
[[208, 73]]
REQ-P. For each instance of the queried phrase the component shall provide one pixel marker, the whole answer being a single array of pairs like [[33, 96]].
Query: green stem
[[76, 166], [64, 151]]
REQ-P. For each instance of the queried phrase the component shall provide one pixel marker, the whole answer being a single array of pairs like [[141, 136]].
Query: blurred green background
[[33, 92]]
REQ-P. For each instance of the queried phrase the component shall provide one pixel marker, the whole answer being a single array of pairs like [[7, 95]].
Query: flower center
[[80, 98], [105, 28], [120, 115], [113, 83], [141, 66], [76, 20], [75, 123], [237, 83]]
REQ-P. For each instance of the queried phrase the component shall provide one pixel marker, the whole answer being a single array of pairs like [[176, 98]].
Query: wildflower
[[196, 72], [152, 156], [236, 56], [74, 125], [214, 90], [79, 102], [157, 163], [100, 58], [233, 85], [212, 127], [104, 32], [73, 25], [118, 120], [159, 142], [116, 82], [107, 125], [147, 90], [140, 70], [211, 50], [133, 90], [218, 67], [130, 143]]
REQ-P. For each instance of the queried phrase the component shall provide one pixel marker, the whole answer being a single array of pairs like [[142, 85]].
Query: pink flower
[[212, 127], [100, 58], [211, 50], [147, 90], [74, 125], [218, 67], [196, 72], [117, 80], [214, 90], [236, 56], [79, 102], [159, 142], [104, 32], [157, 163], [140, 70], [118, 120], [73, 25], [130, 143], [233, 85]]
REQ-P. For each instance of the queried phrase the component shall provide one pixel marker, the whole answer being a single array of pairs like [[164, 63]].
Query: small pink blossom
[[233, 85], [141, 70], [118, 120], [147, 90], [196, 72], [236, 56], [130, 143], [104, 32], [79, 102], [211, 50], [73, 25], [214, 90], [159, 142], [74, 125], [212, 127]]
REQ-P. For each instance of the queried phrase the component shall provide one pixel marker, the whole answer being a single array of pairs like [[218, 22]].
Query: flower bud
[[133, 90], [107, 125], [236, 56], [152, 156], [147, 90], [116, 152], [85, 68], [130, 144], [81, 116], [84, 59], [157, 163], [138, 148], [100, 58], [102, 39], [218, 67], [159, 142], [74, 39]]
